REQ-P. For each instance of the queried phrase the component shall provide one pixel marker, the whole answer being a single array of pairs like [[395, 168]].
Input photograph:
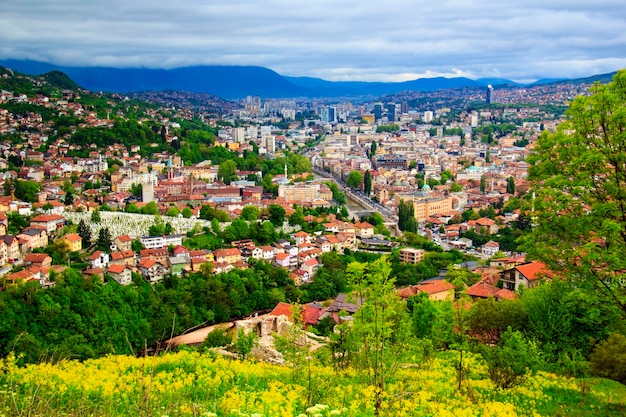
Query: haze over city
[[397, 40]]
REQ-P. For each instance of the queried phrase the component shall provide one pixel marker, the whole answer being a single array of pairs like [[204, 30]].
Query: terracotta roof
[[226, 252], [47, 218], [534, 270], [311, 314], [282, 256], [124, 238], [282, 309], [36, 257], [117, 269], [505, 294], [73, 237], [435, 286]]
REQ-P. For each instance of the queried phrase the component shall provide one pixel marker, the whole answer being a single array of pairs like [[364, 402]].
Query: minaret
[[286, 172]]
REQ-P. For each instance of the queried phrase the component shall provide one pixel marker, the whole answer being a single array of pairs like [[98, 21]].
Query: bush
[[217, 338], [509, 362], [608, 359]]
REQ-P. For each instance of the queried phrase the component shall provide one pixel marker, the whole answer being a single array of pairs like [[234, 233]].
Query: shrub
[[509, 362], [608, 359]]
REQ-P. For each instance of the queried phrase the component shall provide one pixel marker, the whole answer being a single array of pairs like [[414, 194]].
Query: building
[[73, 242], [378, 111], [488, 98], [426, 207], [156, 242], [151, 270], [529, 275], [50, 222], [121, 274], [411, 255]]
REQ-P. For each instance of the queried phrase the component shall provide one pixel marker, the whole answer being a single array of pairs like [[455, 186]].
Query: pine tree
[[510, 185], [84, 232], [367, 183], [104, 239]]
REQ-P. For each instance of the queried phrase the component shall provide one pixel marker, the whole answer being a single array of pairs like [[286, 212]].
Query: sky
[[345, 40]]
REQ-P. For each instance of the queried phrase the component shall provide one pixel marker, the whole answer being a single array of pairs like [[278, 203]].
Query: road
[[389, 216]]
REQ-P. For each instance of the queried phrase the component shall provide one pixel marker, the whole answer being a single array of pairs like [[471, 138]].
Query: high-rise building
[[378, 111], [328, 114], [391, 112], [239, 134], [489, 94], [428, 116]]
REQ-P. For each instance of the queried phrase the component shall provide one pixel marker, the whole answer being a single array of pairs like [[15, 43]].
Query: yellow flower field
[[192, 384]]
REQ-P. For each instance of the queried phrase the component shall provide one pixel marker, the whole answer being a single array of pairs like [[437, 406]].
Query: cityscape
[[312, 210]]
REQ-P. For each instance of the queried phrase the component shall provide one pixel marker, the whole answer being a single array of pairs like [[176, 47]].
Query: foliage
[[578, 176], [244, 343], [104, 240], [84, 232], [150, 208], [62, 320], [25, 190], [367, 183], [563, 318], [250, 213], [338, 196], [217, 338], [277, 214], [510, 360], [510, 185], [16, 222], [406, 217], [380, 335], [431, 320], [227, 171], [354, 179], [387, 128], [609, 358]]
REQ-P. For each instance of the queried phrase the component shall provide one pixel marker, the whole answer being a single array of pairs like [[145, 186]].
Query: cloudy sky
[[391, 40]]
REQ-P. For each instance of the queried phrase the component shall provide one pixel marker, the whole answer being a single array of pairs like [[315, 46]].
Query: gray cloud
[[348, 40]]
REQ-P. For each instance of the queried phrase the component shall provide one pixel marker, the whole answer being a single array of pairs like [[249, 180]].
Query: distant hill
[[223, 81], [231, 82]]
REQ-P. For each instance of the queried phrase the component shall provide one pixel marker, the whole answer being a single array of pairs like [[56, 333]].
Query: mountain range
[[232, 82]]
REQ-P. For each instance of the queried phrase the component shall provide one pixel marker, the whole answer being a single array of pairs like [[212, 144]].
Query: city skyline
[[351, 41]]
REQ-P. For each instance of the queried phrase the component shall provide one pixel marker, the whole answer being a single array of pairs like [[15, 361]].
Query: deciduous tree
[[578, 175]]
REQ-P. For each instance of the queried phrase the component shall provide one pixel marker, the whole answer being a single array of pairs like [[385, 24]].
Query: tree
[[608, 359], [381, 327], [510, 185], [26, 190], [367, 183], [406, 217], [186, 212], [373, 148], [227, 171], [483, 184], [84, 232], [509, 361], [250, 213], [150, 208], [456, 187], [297, 218], [95, 216], [104, 239], [354, 179], [578, 175], [69, 199], [277, 214]]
